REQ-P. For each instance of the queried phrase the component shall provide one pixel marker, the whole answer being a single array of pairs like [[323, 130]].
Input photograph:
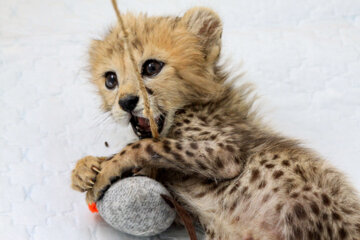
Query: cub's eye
[[151, 68], [110, 80]]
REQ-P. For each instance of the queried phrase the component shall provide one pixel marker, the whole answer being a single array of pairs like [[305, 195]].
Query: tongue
[[143, 123]]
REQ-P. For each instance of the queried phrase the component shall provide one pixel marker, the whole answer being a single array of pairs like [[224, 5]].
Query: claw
[[95, 169], [92, 182]]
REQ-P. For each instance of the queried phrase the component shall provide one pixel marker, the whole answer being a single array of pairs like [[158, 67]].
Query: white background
[[304, 57]]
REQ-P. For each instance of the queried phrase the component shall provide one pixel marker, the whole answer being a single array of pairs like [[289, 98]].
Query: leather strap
[[184, 215]]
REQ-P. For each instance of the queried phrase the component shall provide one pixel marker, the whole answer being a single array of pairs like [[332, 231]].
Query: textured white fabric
[[304, 56]]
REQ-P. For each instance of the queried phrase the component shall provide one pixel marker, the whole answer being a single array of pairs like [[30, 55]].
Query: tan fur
[[239, 179]]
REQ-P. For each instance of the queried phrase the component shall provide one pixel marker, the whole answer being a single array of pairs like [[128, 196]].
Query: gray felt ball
[[133, 205]]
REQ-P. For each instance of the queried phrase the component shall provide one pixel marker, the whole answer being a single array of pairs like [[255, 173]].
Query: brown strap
[[184, 215], [148, 111]]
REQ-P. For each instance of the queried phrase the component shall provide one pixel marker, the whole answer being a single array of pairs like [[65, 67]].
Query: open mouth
[[141, 126]]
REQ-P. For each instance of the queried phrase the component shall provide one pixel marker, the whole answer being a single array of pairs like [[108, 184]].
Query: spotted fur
[[237, 177]]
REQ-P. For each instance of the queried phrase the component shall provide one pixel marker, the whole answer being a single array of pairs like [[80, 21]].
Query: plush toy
[[139, 205], [135, 205]]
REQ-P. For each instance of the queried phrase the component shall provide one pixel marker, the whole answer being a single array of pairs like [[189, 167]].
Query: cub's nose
[[128, 103]]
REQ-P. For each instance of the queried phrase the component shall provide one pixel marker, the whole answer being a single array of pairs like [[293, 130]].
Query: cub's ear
[[206, 24]]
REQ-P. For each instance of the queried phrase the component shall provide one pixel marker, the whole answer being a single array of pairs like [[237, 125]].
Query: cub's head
[[176, 57]]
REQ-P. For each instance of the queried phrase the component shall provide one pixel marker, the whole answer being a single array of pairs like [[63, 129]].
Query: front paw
[[84, 174], [111, 172]]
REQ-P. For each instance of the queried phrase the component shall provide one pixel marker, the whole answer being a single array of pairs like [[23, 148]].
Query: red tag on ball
[[93, 208]]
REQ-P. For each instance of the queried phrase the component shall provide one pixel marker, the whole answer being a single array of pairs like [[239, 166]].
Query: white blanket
[[304, 56]]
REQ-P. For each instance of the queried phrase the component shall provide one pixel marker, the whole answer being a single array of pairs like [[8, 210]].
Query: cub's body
[[237, 177]]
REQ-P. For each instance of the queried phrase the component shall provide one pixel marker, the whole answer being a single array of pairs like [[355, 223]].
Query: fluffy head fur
[[190, 48]]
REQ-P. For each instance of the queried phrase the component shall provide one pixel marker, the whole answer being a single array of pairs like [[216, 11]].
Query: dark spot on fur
[[326, 200], [190, 115], [178, 146], [269, 165], [297, 233], [313, 235], [202, 118], [254, 175], [233, 205], [307, 188], [155, 140], [190, 154], [278, 174], [230, 148], [299, 211], [136, 146], [285, 163], [122, 152], [262, 162], [186, 121], [149, 150], [194, 145], [325, 217], [336, 216], [177, 156], [294, 195], [106, 144], [166, 142], [276, 189], [209, 150], [315, 208], [219, 163], [233, 189], [279, 207], [213, 137], [180, 111], [262, 184], [177, 132], [275, 157], [221, 145], [342, 233], [178, 124], [166, 148], [244, 190], [204, 133]]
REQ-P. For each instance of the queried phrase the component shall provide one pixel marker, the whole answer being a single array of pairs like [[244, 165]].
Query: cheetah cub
[[236, 177]]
